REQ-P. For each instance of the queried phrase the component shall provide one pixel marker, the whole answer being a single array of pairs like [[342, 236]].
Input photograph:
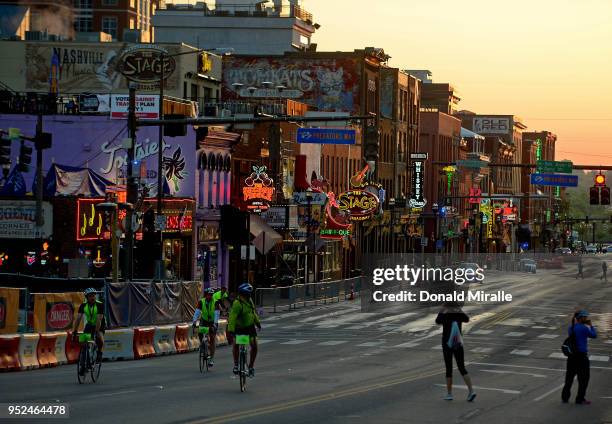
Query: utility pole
[[159, 269], [132, 186], [40, 221]]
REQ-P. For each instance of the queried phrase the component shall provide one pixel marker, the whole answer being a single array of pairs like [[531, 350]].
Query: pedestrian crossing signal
[[600, 180]]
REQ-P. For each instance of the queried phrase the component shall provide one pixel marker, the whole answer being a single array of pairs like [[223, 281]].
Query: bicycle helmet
[[89, 291], [209, 291], [245, 288]]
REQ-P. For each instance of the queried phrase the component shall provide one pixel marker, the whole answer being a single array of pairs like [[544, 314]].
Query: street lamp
[[308, 228], [434, 210]]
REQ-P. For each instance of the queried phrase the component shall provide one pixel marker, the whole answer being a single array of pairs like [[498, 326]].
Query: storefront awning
[[265, 236]]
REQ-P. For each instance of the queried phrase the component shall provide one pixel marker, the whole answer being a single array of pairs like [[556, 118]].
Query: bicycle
[[87, 359], [243, 372], [204, 357]]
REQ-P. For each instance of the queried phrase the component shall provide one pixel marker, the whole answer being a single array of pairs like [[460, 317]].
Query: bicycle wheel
[[203, 356], [82, 365], [243, 370], [95, 366]]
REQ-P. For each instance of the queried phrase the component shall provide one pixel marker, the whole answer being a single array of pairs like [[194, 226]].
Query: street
[[333, 363]]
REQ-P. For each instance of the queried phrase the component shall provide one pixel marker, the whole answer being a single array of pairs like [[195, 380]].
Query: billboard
[[491, 125], [328, 84], [95, 142], [147, 106], [387, 92], [18, 220], [97, 67]]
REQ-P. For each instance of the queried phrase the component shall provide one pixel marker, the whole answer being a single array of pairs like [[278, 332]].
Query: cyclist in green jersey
[[242, 320], [221, 296], [206, 312], [95, 324]]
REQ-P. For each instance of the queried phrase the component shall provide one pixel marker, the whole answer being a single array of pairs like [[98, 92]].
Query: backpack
[[454, 339], [569, 344]]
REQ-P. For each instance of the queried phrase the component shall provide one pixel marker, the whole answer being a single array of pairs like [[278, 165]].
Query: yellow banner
[[56, 311], [9, 310]]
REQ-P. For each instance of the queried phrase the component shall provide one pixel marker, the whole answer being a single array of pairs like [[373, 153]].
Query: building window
[[109, 2], [82, 4], [194, 92], [132, 23], [109, 25], [83, 24], [132, 4]]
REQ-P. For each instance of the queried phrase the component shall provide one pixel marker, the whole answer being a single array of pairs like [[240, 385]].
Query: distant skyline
[[549, 62]]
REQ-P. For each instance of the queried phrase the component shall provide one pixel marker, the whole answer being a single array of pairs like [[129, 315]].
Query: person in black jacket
[[447, 316]]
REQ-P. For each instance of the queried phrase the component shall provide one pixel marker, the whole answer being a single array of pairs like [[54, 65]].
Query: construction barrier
[[181, 336], [9, 310], [46, 350], [72, 349], [119, 344], [192, 339], [27, 351], [60, 346], [221, 337], [163, 341], [9, 353], [143, 342]]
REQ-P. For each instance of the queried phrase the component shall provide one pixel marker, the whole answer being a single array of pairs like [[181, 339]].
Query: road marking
[[515, 334], [265, 324], [371, 344], [408, 344], [483, 332], [291, 327], [437, 347], [599, 358], [521, 352], [548, 336], [241, 415], [493, 389], [482, 350], [332, 342], [556, 389], [515, 373], [557, 355], [608, 341], [533, 368], [264, 341], [125, 392], [295, 342]]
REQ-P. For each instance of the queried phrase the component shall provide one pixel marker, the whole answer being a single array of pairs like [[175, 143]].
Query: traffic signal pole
[[132, 188], [40, 221]]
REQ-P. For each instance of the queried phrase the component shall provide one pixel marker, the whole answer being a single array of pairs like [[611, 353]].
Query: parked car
[[563, 251], [606, 249], [591, 249]]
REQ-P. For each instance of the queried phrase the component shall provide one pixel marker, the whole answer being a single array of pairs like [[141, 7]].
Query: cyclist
[[206, 312], [242, 320], [221, 296], [95, 323]]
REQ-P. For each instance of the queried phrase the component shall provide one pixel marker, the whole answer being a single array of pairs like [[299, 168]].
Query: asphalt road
[[334, 363]]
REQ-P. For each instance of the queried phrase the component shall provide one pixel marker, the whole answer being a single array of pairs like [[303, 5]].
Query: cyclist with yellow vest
[[206, 312], [95, 324], [220, 296], [242, 321]]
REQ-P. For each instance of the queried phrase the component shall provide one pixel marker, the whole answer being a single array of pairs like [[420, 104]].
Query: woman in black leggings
[[446, 317]]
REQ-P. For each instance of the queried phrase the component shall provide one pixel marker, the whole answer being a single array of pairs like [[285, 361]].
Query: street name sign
[[554, 180], [419, 156], [555, 167], [326, 136]]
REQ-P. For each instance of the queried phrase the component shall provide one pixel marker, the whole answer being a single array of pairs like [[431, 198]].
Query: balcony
[[227, 109], [260, 10]]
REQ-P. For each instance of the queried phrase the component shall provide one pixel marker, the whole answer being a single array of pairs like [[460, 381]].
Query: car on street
[[563, 251], [591, 249], [528, 265]]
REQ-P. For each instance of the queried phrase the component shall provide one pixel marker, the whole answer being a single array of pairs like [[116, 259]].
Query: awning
[[465, 133], [265, 236]]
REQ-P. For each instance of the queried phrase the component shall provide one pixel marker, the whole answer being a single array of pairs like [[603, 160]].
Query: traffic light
[[371, 145], [5, 151], [600, 180], [605, 195], [25, 157], [594, 196]]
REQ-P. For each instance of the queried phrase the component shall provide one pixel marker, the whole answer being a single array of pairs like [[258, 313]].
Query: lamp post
[[434, 210], [308, 228]]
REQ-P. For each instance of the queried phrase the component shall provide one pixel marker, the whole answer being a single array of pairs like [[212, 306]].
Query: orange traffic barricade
[[9, 353], [73, 348], [180, 338], [46, 350], [143, 342]]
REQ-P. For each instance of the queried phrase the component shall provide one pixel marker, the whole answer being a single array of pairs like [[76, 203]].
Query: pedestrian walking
[[604, 271], [578, 360], [580, 268], [451, 317]]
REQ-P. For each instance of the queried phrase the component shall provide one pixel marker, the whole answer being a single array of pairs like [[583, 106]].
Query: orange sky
[[549, 62]]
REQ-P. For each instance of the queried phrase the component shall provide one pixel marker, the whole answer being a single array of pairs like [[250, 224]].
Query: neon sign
[[90, 222], [359, 204], [258, 190]]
